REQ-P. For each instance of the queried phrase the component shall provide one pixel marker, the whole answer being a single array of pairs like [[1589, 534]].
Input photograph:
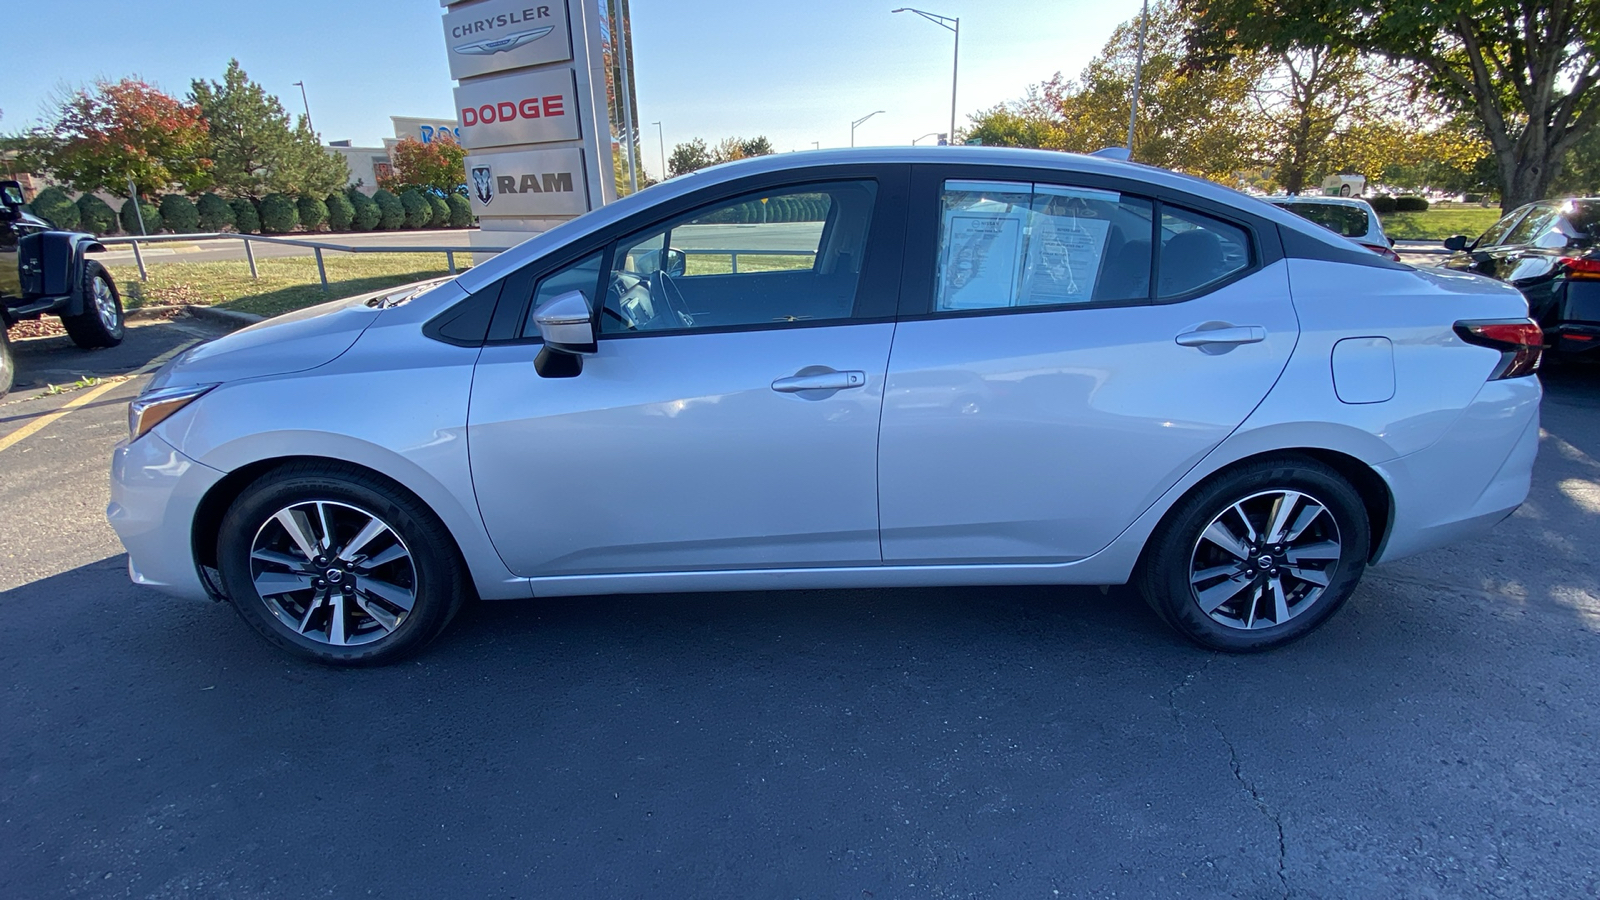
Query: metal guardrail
[[317, 248]]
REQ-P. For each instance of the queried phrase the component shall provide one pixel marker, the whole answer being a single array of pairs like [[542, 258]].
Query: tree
[[1528, 70], [438, 165], [254, 149], [102, 138], [694, 154], [688, 157], [1194, 121], [1580, 171]]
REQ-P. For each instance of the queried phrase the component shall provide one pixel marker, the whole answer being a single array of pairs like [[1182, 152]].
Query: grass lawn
[[286, 283], [1438, 224]]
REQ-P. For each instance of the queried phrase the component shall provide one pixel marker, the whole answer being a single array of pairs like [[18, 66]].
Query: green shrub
[[313, 212], [179, 214], [56, 205], [418, 212], [441, 212], [391, 212], [130, 217], [367, 213], [215, 213], [460, 211], [278, 214], [1383, 204], [246, 220], [1410, 204], [94, 215], [340, 212]]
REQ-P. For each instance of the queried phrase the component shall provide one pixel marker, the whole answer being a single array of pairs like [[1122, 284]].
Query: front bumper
[[155, 491], [1470, 479]]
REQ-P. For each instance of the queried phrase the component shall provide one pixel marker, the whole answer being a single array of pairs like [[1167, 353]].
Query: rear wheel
[[100, 324], [337, 566], [8, 365], [1258, 557]]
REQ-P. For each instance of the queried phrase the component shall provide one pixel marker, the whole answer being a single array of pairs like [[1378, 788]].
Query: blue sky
[[796, 72]]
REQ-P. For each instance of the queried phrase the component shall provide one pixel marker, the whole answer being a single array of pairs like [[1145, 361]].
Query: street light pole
[[952, 25], [663, 142], [307, 103], [1138, 73], [858, 122]]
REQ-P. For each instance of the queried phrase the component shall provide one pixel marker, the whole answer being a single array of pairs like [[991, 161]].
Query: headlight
[[149, 410]]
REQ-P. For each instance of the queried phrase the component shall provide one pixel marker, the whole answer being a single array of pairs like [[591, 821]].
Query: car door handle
[[1237, 334], [820, 381]]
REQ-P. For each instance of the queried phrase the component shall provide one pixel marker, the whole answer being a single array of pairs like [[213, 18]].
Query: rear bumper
[[1574, 337], [155, 491], [1472, 478]]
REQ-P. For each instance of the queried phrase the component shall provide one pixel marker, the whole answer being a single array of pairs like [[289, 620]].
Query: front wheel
[[338, 566], [1258, 557], [100, 324]]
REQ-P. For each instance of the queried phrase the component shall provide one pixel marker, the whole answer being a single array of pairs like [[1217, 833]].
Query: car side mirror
[[1455, 242], [675, 262], [11, 194], [566, 324]]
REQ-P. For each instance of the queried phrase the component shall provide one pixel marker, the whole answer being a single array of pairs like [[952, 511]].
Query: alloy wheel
[[105, 302], [334, 573], [1265, 559]]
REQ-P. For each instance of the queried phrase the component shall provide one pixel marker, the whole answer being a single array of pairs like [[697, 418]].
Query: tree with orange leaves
[[123, 131]]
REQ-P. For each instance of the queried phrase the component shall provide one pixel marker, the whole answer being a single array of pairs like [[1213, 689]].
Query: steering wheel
[[663, 289]]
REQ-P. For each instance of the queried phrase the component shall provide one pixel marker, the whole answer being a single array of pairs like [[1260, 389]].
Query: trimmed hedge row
[[1383, 203], [347, 210]]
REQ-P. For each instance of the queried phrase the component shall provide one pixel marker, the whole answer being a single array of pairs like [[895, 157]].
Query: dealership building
[[367, 164]]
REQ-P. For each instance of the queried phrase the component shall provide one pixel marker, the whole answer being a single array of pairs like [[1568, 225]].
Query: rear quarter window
[[1349, 221]]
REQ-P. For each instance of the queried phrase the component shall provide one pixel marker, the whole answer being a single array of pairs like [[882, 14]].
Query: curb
[[225, 316]]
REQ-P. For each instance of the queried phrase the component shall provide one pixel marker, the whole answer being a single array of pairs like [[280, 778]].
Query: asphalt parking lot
[[1436, 739]]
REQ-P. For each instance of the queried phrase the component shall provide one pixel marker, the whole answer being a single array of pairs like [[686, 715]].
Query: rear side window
[[1498, 230], [1019, 244], [1197, 250], [1530, 226], [1349, 221]]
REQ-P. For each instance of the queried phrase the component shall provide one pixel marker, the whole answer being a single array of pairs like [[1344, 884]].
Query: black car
[[45, 272], [1548, 251]]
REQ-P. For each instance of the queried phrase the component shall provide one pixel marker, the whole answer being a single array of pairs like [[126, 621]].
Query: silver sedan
[[940, 366]]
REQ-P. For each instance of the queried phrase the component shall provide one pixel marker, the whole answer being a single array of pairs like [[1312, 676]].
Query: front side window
[[582, 276], [1019, 244], [1198, 250], [777, 258]]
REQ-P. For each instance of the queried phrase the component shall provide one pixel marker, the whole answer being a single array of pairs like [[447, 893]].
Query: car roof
[[998, 157], [1330, 201]]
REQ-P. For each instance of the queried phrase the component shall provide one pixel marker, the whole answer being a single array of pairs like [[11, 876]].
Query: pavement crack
[[1172, 695], [1261, 804]]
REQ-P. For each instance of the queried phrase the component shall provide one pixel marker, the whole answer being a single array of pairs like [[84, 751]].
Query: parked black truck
[[46, 272]]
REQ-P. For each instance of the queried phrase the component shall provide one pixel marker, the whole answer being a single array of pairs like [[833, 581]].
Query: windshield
[[1350, 221]]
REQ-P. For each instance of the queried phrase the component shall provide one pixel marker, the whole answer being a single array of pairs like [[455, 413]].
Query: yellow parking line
[[39, 423], [87, 397]]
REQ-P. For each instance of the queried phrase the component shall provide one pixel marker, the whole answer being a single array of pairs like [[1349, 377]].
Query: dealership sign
[[528, 183], [497, 35], [521, 108]]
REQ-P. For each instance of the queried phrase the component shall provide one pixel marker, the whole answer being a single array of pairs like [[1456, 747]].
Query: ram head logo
[[483, 183]]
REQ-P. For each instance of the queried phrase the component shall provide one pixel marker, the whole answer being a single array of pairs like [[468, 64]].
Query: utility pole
[[952, 25], [1138, 73], [858, 122], [663, 142], [307, 104]]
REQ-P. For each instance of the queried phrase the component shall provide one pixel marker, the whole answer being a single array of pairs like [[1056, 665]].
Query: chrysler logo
[[483, 183], [503, 44]]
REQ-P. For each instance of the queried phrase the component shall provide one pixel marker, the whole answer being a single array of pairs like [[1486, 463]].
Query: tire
[[101, 322], [8, 363], [358, 618], [1188, 567]]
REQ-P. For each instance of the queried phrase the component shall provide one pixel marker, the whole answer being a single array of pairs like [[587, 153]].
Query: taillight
[[1581, 268], [1520, 342]]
